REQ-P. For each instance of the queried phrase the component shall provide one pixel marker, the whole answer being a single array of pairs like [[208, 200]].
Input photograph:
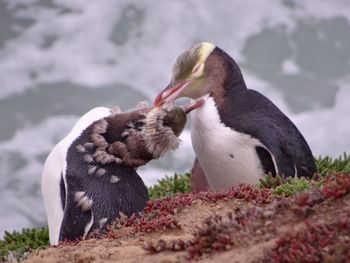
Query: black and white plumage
[[238, 135], [89, 178], [54, 183]]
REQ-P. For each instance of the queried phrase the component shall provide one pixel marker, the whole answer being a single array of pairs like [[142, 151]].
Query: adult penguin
[[238, 135], [90, 177]]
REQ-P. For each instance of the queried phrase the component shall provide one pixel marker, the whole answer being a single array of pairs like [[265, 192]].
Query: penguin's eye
[[166, 122], [197, 70], [139, 124]]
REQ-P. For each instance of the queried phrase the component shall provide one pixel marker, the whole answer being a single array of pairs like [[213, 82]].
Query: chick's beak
[[171, 93]]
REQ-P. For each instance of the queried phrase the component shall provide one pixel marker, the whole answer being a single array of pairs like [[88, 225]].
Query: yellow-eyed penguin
[[238, 135], [89, 177]]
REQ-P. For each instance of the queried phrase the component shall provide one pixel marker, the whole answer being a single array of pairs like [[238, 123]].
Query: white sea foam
[[328, 130], [21, 204], [83, 52]]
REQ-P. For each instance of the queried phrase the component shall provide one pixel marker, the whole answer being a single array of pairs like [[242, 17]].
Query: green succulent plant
[[170, 185], [293, 186], [326, 165], [16, 245]]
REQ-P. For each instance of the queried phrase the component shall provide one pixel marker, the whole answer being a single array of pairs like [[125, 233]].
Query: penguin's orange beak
[[194, 105], [171, 93]]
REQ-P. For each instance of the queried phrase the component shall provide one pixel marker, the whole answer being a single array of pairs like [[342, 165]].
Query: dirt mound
[[244, 224]]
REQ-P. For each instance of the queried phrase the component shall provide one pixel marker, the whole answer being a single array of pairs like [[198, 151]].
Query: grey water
[[60, 58]]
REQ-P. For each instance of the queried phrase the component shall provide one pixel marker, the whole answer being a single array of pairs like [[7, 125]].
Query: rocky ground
[[245, 224]]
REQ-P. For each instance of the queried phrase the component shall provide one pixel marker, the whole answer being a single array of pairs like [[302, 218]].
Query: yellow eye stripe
[[206, 49]]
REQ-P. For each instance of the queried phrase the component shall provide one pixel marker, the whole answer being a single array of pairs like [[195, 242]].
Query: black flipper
[[266, 160], [63, 192], [74, 221]]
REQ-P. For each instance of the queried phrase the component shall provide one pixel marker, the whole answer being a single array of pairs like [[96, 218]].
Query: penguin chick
[[152, 136], [162, 128]]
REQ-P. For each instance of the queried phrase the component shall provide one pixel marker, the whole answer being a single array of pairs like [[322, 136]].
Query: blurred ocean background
[[60, 58]]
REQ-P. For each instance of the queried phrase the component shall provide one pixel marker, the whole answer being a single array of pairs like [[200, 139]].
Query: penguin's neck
[[227, 75]]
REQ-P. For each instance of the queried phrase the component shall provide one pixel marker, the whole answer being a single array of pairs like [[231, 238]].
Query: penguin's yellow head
[[189, 75]]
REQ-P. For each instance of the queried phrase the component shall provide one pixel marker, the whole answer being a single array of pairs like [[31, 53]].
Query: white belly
[[227, 157]]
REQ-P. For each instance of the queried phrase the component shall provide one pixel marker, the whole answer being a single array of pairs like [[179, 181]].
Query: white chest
[[227, 157]]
